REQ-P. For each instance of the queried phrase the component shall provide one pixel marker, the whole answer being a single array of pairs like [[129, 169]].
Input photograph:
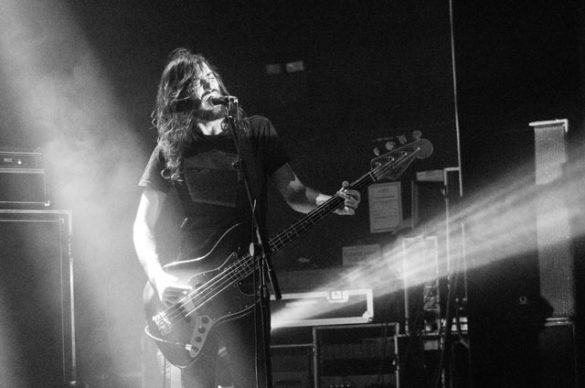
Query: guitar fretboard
[[392, 169]]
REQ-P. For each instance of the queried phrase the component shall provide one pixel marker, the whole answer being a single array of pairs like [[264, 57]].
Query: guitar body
[[182, 331], [220, 279]]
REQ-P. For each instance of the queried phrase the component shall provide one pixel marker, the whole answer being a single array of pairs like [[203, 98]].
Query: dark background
[[372, 70]]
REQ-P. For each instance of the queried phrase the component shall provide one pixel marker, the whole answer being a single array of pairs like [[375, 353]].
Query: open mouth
[[209, 94]]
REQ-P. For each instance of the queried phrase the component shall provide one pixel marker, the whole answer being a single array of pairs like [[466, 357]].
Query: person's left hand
[[351, 201]]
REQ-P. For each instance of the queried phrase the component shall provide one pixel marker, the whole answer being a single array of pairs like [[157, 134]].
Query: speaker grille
[[557, 279], [35, 304]]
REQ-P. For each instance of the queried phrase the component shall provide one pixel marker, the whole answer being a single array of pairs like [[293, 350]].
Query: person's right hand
[[169, 289]]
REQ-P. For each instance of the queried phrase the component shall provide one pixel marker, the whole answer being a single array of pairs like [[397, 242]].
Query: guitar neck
[[392, 168]]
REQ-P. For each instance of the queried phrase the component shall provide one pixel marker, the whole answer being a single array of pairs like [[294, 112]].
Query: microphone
[[223, 100]]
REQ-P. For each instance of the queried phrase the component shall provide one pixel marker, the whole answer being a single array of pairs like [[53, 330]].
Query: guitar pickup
[[162, 324]]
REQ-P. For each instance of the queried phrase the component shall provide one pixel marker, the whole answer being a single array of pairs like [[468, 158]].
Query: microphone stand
[[257, 249]]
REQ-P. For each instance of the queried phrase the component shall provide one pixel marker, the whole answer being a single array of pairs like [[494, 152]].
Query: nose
[[205, 84], [209, 83]]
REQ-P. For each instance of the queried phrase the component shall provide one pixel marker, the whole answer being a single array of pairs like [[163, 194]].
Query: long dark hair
[[173, 115]]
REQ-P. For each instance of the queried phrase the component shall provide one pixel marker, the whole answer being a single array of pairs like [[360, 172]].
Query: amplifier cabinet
[[556, 260], [424, 358], [292, 366], [22, 180], [36, 299], [540, 355], [378, 355], [356, 355]]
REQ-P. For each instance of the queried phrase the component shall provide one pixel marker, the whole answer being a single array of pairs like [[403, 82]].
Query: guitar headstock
[[401, 151]]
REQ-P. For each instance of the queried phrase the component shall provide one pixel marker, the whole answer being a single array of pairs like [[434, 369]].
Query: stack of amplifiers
[[311, 298], [379, 356], [22, 180]]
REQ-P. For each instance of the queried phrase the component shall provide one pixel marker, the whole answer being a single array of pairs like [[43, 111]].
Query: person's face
[[205, 86]]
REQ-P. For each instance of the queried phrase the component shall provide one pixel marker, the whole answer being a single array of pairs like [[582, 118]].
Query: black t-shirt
[[211, 190]]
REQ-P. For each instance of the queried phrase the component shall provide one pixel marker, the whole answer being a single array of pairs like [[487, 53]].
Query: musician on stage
[[196, 156]]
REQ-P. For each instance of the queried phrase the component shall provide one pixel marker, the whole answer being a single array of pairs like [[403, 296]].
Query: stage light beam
[[64, 105], [498, 224]]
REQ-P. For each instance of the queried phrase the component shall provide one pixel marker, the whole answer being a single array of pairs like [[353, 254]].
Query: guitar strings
[[282, 238], [244, 267], [229, 274], [214, 286]]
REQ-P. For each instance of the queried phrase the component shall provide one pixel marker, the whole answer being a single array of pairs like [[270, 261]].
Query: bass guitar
[[218, 293]]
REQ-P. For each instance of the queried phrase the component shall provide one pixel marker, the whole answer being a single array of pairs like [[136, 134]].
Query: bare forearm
[[306, 199], [145, 246], [143, 232], [309, 199]]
